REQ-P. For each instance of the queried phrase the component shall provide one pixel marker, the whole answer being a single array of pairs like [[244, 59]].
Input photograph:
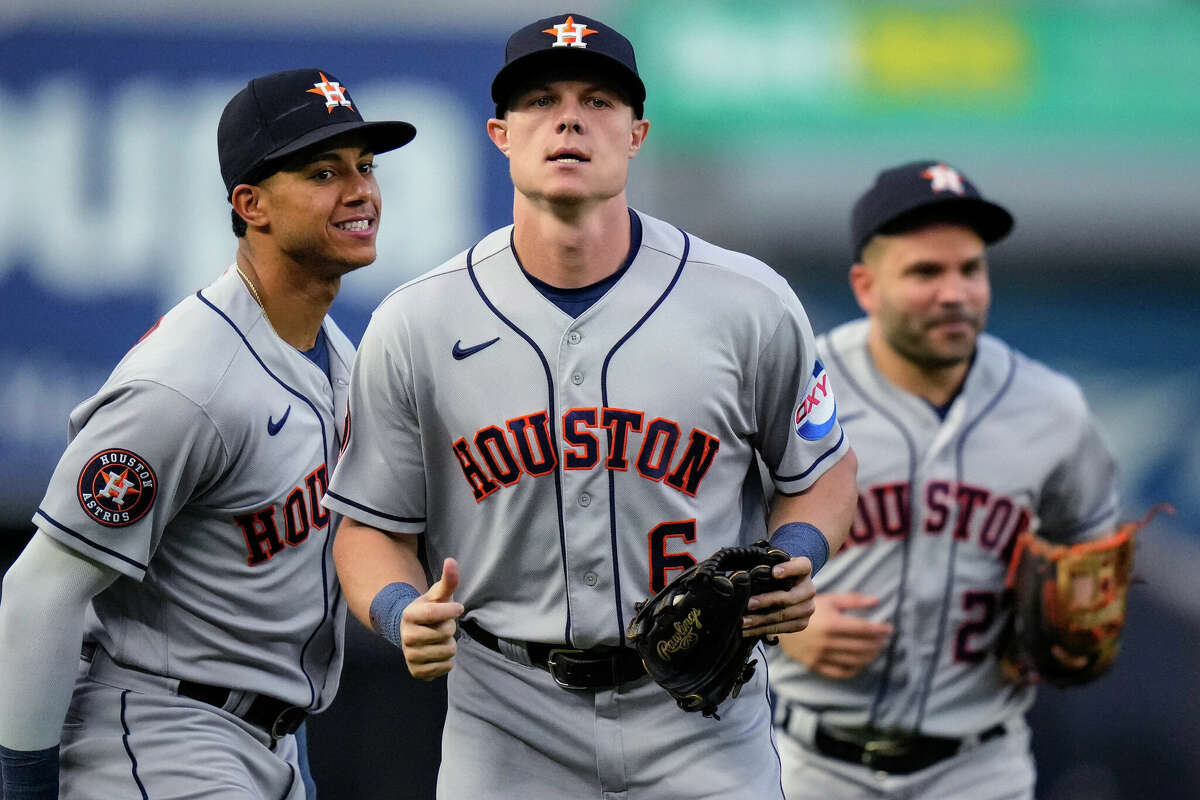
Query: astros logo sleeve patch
[[117, 488]]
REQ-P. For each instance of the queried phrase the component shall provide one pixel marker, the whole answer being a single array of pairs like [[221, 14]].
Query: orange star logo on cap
[[334, 92], [568, 34]]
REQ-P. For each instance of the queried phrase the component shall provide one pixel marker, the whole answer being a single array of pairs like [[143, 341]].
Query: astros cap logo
[[943, 178], [569, 34], [335, 93]]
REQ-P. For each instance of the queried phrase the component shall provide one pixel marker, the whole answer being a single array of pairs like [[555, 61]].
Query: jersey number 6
[[662, 561]]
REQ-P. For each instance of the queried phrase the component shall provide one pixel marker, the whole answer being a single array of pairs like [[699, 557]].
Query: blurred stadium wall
[[768, 119]]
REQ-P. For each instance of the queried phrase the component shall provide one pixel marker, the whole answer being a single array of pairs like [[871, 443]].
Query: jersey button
[[574, 337], [577, 378], [585, 499], [591, 579]]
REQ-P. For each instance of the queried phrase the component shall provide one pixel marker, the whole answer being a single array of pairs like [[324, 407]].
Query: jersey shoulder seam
[[420, 279], [451, 266], [200, 406]]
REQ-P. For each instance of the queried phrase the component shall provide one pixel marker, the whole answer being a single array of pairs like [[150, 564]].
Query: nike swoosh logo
[[459, 352], [274, 427]]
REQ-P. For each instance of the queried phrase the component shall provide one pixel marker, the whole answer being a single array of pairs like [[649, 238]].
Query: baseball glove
[[689, 635], [1068, 606]]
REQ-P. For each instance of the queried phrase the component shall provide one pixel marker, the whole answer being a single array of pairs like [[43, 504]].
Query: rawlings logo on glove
[[689, 635]]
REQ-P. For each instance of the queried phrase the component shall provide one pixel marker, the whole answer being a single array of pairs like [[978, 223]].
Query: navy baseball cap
[[282, 113], [916, 194], [567, 43]]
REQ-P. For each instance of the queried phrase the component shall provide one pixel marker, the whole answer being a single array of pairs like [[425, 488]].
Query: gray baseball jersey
[[940, 503], [574, 465], [197, 472]]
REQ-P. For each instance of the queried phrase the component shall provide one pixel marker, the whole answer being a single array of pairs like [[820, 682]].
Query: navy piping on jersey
[[89, 542], [312, 689], [958, 473], [612, 493], [129, 750], [772, 700], [813, 466], [849, 417], [562, 528], [370, 510], [890, 657]]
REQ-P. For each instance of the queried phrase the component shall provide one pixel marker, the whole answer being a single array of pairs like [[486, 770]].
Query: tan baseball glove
[[1068, 606]]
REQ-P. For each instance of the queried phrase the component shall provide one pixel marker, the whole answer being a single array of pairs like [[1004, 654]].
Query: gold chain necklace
[[253, 291]]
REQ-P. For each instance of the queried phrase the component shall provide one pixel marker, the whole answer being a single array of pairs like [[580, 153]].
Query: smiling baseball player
[[185, 518], [894, 689], [569, 412]]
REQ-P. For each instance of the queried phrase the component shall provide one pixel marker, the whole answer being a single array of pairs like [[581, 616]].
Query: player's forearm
[[828, 504], [368, 559], [46, 592], [34, 692]]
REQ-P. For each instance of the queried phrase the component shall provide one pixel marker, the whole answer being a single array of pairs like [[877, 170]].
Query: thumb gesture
[[443, 590]]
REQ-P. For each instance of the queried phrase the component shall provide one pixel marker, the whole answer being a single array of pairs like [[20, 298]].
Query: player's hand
[[836, 644], [428, 625], [773, 613]]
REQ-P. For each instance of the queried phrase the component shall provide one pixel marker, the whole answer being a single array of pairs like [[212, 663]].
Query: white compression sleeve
[[46, 594]]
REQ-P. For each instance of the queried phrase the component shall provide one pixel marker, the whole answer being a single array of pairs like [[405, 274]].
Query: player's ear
[[497, 130], [862, 283], [641, 128], [247, 202]]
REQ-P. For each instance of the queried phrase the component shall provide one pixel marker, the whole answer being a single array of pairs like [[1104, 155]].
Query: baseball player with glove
[[182, 541], [970, 453], [568, 412]]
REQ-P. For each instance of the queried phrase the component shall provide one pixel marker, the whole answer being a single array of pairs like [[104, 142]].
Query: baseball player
[[894, 689], [568, 412], [182, 538]]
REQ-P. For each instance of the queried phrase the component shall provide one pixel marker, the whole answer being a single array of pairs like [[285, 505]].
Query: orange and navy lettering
[[494, 456], [302, 512], [533, 425]]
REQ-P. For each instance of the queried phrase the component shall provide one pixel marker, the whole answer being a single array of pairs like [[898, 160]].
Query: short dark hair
[[239, 224]]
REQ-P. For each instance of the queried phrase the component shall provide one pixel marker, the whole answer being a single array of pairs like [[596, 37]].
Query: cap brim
[[529, 65], [380, 138], [991, 221]]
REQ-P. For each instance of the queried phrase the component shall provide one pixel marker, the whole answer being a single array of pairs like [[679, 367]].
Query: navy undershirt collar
[[319, 354], [944, 409], [576, 301]]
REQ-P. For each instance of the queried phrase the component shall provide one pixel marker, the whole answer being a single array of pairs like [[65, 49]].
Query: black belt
[[274, 716], [898, 755], [599, 668]]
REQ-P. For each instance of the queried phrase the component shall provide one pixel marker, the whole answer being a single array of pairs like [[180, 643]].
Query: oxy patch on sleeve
[[816, 413]]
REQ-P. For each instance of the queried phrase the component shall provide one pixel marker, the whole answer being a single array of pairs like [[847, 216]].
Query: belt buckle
[[876, 750], [288, 721], [552, 665]]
